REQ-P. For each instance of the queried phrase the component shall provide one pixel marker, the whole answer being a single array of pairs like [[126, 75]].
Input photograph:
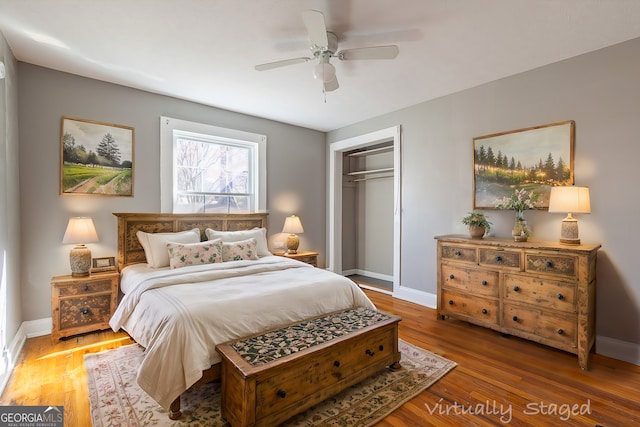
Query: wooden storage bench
[[270, 377]]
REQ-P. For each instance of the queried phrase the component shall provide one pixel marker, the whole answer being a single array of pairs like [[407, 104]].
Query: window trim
[[167, 127]]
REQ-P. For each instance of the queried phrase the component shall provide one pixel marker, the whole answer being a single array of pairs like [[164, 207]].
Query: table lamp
[[293, 226], [569, 199], [80, 231]]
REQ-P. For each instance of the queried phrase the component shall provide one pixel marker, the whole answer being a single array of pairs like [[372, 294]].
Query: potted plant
[[478, 224]]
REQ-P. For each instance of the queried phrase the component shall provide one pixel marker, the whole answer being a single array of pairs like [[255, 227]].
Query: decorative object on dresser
[[293, 226], [80, 230], [309, 257], [270, 377], [519, 201], [103, 264], [478, 224], [82, 304], [570, 199], [534, 159], [540, 291]]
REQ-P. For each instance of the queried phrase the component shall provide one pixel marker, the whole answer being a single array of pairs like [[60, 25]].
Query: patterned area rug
[[116, 399]]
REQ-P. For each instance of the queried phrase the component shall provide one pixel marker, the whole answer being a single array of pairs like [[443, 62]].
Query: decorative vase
[[520, 230], [476, 232]]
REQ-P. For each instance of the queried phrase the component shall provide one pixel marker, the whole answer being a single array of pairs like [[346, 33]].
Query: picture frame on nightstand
[[103, 265]]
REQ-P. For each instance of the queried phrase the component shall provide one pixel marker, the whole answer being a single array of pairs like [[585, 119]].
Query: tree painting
[[97, 158], [534, 159]]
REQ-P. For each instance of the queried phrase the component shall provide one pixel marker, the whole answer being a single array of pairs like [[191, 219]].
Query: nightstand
[[305, 256], [82, 304]]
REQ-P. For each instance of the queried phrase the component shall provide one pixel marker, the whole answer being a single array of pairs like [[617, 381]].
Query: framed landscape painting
[[534, 159], [97, 158]]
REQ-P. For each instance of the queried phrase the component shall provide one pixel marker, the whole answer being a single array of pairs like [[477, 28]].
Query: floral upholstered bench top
[[297, 337]]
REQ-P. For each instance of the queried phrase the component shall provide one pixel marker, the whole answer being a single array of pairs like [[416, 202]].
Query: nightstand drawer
[[83, 311], [89, 287]]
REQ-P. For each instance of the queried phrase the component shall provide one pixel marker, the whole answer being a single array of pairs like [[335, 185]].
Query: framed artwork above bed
[[534, 159]]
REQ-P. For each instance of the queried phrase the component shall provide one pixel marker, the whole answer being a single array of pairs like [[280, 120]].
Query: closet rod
[[372, 177]]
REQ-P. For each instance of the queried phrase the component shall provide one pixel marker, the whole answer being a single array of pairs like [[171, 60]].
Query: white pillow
[[155, 244], [242, 250], [260, 234]]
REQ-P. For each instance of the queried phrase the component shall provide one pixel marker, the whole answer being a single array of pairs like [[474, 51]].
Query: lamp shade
[[324, 71], [80, 230], [570, 199], [292, 225]]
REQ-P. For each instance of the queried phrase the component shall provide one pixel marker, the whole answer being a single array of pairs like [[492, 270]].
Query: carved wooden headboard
[[130, 251]]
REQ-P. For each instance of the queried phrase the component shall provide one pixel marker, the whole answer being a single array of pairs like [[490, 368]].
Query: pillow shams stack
[[155, 244], [260, 234]]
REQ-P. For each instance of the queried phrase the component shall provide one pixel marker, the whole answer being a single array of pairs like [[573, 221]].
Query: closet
[[368, 214]]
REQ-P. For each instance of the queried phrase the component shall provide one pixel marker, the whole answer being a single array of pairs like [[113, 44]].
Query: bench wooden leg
[[395, 366], [174, 409]]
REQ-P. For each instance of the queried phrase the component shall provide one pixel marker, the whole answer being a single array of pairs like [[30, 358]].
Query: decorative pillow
[[183, 254], [260, 234], [236, 251], [154, 244]]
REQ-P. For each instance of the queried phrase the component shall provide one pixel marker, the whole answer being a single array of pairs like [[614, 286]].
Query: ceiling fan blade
[[375, 52], [314, 21], [283, 63], [331, 85]]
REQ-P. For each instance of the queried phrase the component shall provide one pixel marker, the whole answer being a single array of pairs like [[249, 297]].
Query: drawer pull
[[560, 331], [560, 296], [485, 311], [450, 302], [451, 276], [336, 363], [515, 318], [458, 253], [516, 288], [282, 394], [498, 258], [381, 347], [484, 283], [369, 352], [85, 288], [549, 264], [84, 311]]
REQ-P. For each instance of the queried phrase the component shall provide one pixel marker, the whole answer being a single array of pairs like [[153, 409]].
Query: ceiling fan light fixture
[[324, 71]]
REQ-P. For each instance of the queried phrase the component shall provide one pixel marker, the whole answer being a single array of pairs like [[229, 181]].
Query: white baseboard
[[413, 295], [378, 276], [29, 329], [618, 349]]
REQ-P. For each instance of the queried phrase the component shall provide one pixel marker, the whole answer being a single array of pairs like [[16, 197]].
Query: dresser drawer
[[541, 323], [547, 293], [313, 374], [500, 258], [83, 311], [90, 287], [561, 265], [474, 281], [459, 253], [483, 309]]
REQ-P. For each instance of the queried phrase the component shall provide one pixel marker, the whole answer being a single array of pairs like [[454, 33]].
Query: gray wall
[[601, 92], [9, 193], [295, 170]]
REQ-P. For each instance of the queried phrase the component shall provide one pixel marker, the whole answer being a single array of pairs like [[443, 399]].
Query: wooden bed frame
[[130, 251]]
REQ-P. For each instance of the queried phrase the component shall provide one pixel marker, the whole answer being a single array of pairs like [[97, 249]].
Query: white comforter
[[180, 315]]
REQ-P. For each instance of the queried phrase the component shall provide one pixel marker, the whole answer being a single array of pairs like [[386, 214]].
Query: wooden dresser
[[82, 304], [541, 291]]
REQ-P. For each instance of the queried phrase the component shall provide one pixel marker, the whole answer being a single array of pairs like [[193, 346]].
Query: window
[[208, 169]]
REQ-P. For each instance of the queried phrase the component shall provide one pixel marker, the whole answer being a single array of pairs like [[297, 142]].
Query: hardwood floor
[[504, 380]]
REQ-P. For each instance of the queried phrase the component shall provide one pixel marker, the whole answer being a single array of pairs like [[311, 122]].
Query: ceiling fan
[[324, 45]]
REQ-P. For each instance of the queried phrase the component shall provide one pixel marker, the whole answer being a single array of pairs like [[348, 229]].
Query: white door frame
[[336, 151]]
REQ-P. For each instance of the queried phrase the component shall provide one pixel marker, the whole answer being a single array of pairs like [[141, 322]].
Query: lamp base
[[292, 244], [80, 260], [569, 231]]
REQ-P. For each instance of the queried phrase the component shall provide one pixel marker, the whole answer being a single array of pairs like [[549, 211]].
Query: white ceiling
[[205, 50]]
